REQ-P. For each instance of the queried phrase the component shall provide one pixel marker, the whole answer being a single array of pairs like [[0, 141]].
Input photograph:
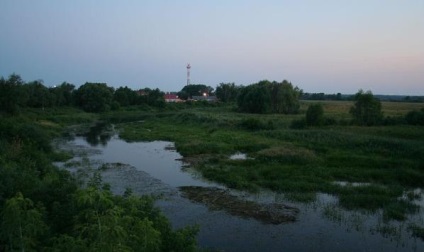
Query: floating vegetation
[[107, 166], [220, 199]]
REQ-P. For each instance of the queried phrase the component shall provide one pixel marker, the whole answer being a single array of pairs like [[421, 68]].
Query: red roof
[[171, 96]]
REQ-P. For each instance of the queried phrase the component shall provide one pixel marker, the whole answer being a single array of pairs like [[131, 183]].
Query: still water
[[320, 226]]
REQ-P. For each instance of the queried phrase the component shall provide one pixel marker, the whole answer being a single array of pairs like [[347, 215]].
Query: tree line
[[261, 97], [366, 111], [91, 97], [283, 98]]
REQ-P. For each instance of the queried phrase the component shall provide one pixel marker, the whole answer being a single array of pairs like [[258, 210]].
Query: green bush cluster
[[415, 117], [269, 97]]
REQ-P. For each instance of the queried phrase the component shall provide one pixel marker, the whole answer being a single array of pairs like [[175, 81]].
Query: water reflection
[[99, 134]]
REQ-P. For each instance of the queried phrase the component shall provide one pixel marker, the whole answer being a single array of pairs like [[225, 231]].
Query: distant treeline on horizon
[[349, 97]]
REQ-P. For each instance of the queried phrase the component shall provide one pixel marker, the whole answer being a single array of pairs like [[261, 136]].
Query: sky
[[328, 46]]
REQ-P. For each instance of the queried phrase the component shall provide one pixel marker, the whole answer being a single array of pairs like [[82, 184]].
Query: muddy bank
[[221, 199]]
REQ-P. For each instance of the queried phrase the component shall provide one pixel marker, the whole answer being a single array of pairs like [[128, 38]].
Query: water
[[320, 226], [156, 158]]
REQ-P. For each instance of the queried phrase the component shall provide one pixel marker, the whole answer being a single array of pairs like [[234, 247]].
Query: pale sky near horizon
[[325, 46]]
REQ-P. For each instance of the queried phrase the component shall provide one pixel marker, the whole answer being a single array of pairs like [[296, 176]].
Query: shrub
[[315, 115], [415, 117], [367, 109]]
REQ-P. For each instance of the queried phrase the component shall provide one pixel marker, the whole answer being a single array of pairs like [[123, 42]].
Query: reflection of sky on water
[[150, 157]]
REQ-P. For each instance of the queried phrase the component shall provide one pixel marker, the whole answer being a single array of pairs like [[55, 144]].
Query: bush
[[315, 115], [415, 117], [367, 109]]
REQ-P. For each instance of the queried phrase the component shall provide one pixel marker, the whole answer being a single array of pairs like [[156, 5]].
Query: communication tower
[[188, 74]]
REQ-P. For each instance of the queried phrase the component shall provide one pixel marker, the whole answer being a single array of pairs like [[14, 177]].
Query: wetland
[[206, 171]]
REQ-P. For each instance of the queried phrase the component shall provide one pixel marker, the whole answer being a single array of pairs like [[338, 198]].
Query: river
[[156, 168]]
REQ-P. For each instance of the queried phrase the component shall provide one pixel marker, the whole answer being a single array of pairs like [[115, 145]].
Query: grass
[[297, 161]]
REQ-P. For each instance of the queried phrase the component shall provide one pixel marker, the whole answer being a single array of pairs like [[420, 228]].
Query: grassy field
[[387, 161]]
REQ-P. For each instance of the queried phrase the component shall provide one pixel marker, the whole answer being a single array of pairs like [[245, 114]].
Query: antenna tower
[[188, 74]]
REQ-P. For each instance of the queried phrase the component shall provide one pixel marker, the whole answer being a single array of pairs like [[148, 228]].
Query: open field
[[340, 109], [368, 168]]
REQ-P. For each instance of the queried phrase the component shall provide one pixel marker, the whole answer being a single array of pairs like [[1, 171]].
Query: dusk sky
[[320, 46]]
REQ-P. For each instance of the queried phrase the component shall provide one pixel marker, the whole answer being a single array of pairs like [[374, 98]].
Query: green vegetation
[[386, 160], [415, 117], [367, 109], [191, 90], [227, 92], [15, 95], [269, 97], [315, 115], [94, 97], [43, 209]]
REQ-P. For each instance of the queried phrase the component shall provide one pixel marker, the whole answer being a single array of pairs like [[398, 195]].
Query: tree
[[315, 115], [152, 97], [22, 223], [39, 96], [12, 96], [113, 223], [63, 94], [125, 96], [367, 109], [269, 97], [194, 90], [94, 97], [254, 99], [227, 92], [284, 97]]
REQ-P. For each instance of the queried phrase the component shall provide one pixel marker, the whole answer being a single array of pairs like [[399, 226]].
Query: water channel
[[156, 168]]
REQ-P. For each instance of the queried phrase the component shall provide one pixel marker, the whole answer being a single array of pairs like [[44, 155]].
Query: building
[[171, 97]]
